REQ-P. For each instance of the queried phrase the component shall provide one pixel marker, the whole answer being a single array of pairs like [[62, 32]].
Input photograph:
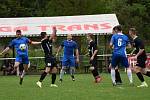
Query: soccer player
[[70, 47], [117, 73], [50, 60], [21, 47], [119, 41], [140, 56], [92, 47]]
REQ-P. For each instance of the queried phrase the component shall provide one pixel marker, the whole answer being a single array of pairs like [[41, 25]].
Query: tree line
[[130, 13]]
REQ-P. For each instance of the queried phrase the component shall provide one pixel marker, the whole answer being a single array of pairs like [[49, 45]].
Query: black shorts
[[50, 61], [93, 62], [141, 62]]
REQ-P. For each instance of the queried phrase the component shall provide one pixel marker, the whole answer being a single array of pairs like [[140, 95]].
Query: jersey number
[[119, 42]]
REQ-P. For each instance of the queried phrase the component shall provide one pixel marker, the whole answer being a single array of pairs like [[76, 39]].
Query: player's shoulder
[[24, 38]]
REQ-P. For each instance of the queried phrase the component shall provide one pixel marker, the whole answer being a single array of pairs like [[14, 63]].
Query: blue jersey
[[119, 42], [18, 43], [69, 47]]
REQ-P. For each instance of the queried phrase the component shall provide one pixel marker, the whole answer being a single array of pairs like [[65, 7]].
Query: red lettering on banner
[[5, 29], [105, 26], [43, 28], [88, 27], [61, 27], [74, 27], [23, 28]]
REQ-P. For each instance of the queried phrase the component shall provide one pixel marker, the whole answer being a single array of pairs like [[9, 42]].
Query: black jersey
[[138, 44], [92, 47], [47, 46]]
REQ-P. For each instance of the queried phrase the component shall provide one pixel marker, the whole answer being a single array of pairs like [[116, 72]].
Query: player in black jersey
[[140, 56], [92, 47], [50, 60]]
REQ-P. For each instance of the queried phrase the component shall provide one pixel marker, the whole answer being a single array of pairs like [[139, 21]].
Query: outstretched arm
[[5, 50], [35, 42], [53, 35]]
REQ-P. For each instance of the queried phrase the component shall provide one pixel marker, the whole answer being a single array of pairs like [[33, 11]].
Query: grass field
[[82, 89]]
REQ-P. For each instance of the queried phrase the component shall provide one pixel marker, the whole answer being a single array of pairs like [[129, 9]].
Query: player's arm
[[111, 42], [133, 51], [32, 42], [94, 54], [11, 44], [95, 51], [141, 49], [60, 47], [140, 52], [5, 50], [53, 35], [35, 42], [77, 55]]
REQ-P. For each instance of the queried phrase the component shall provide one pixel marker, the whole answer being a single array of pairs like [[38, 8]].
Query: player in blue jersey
[[20, 44], [70, 47], [118, 42]]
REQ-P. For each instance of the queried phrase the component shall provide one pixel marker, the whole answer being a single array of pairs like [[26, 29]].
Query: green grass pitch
[[82, 89]]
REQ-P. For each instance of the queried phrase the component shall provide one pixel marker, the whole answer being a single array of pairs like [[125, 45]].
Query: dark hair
[[118, 28], [90, 34], [133, 30], [43, 34], [18, 31]]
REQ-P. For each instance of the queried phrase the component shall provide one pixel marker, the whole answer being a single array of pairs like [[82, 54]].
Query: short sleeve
[[11, 44], [141, 44], [27, 40]]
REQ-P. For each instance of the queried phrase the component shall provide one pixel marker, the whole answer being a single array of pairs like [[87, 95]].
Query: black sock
[[147, 74], [72, 76], [140, 76], [53, 78], [117, 75], [95, 73], [43, 75]]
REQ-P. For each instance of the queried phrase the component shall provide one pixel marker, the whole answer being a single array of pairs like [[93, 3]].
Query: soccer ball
[[22, 47]]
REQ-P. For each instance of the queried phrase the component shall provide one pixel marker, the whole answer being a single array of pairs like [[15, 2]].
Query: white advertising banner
[[83, 24]]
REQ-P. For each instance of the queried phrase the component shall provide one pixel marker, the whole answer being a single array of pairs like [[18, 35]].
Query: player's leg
[[117, 76], [53, 71], [138, 70], [146, 72], [44, 74], [114, 62], [94, 71], [72, 68], [125, 63], [18, 60], [63, 69], [143, 67], [25, 62]]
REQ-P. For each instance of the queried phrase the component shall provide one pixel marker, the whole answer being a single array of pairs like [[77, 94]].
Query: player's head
[[69, 37], [89, 36], [113, 30], [132, 32], [118, 28], [18, 33], [43, 34]]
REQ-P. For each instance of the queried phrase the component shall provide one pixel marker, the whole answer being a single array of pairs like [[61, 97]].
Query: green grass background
[[83, 88]]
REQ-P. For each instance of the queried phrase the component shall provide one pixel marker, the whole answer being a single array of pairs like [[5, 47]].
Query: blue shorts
[[22, 59], [116, 59], [68, 62]]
